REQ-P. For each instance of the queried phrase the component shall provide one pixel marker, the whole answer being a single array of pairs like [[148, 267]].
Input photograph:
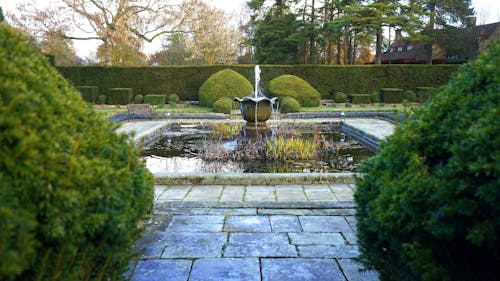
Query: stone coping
[[257, 204], [252, 178]]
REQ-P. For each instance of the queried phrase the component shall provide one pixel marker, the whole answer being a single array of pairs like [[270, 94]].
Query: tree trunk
[[432, 19], [108, 52], [378, 47]]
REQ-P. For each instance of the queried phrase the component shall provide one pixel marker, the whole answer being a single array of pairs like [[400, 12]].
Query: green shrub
[[88, 93], [155, 99], [223, 105], [391, 95], [409, 96], [101, 99], [72, 190], [119, 96], [173, 99], [375, 97], [425, 93], [339, 97], [428, 205], [294, 87], [360, 99], [138, 99], [225, 83], [289, 105]]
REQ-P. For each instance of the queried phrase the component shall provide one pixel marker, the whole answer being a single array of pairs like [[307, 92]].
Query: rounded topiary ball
[[294, 87], [173, 99], [340, 97], [72, 191], [428, 204], [289, 105], [224, 83], [223, 105]]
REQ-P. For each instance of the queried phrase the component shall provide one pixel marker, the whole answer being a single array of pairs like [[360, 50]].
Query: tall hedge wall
[[186, 80]]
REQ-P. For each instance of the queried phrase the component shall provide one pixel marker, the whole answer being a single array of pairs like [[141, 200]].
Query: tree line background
[[193, 32]]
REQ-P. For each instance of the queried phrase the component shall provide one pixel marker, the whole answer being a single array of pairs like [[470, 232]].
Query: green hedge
[[173, 99], [294, 87], [224, 83], [360, 98], [72, 190], [101, 99], [155, 99], [120, 96], [425, 93], [340, 97], [187, 80], [89, 93], [223, 105], [138, 99], [391, 95], [289, 105]]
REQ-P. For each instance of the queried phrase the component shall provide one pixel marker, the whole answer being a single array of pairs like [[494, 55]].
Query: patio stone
[[193, 245], [196, 223], [162, 270], [351, 237], [232, 211], [324, 224], [328, 251], [247, 224], [283, 223], [307, 238], [259, 245], [354, 271], [227, 269], [300, 270]]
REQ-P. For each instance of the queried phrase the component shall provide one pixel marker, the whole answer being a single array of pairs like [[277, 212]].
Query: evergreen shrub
[[223, 105], [375, 97], [89, 93], [72, 191], [289, 105], [409, 96], [294, 87], [138, 99], [173, 99], [225, 83], [428, 204], [121, 96], [155, 99], [101, 99], [391, 95], [339, 97], [425, 93], [360, 98]]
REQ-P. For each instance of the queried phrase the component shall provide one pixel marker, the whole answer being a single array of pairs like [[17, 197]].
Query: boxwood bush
[[138, 99], [155, 99], [409, 96], [223, 105], [339, 97], [225, 83], [425, 93], [294, 87], [72, 191], [391, 95], [375, 97], [89, 93], [360, 98], [173, 99], [101, 99], [289, 105], [428, 205], [120, 95]]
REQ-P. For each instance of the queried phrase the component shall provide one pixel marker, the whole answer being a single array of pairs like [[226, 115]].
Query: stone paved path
[[188, 241]]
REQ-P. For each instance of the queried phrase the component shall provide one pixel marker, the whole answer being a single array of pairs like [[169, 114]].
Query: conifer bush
[[223, 105], [428, 204], [72, 191], [224, 83], [295, 87], [101, 99]]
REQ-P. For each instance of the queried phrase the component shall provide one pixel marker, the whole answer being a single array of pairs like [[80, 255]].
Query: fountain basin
[[256, 111]]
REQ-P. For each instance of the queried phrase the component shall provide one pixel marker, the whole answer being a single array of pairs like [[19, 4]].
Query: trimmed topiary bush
[[173, 99], [294, 87], [138, 99], [339, 97], [425, 93], [223, 105], [375, 97], [225, 83], [391, 95], [289, 105], [88, 93], [155, 99], [361, 99], [120, 96], [101, 99], [409, 96], [428, 205], [72, 191]]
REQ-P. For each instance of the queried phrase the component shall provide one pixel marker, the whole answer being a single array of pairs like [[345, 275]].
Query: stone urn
[[256, 110]]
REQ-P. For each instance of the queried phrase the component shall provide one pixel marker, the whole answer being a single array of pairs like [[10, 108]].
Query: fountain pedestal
[[256, 111]]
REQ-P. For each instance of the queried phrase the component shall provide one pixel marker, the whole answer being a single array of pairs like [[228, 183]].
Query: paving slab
[[304, 238], [285, 223], [162, 270], [328, 251], [192, 244], [300, 269], [259, 245], [227, 269], [203, 223], [247, 224], [324, 224], [354, 271]]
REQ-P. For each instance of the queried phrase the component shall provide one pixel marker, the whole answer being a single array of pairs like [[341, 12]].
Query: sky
[[487, 11]]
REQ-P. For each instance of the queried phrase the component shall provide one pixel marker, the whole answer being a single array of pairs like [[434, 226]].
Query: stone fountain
[[256, 109]]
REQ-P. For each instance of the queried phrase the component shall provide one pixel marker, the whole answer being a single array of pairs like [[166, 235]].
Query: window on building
[[400, 48], [409, 47]]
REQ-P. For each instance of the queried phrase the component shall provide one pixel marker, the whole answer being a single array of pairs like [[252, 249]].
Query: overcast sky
[[487, 11]]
